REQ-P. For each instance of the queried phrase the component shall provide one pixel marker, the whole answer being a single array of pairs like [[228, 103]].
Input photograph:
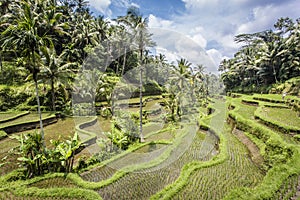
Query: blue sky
[[212, 24]]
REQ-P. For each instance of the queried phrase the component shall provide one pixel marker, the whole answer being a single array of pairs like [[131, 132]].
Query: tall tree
[[24, 34], [266, 57], [137, 25], [182, 74], [57, 71]]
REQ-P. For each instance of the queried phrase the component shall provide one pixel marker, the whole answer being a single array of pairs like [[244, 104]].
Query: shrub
[[11, 97], [2, 134], [38, 160]]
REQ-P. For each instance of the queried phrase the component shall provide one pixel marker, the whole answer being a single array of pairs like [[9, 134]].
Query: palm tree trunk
[[35, 74], [0, 61], [39, 111], [124, 62], [53, 95], [112, 103], [141, 96], [274, 73], [107, 57], [119, 62]]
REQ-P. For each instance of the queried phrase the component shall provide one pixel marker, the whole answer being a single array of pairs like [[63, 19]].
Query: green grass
[[283, 117], [247, 111], [26, 118], [281, 157], [6, 145], [144, 183], [197, 171], [274, 98], [54, 183], [2, 134], [216, 181], [9, 115]]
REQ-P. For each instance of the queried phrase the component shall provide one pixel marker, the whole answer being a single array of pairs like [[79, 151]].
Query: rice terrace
[[106, 101]]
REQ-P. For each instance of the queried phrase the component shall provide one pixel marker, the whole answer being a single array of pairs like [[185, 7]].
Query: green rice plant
[[144, 183], [119, 175], [26, 119], [281, 159], [288, 189], [215, 181], [189, 169], [75, 193], [7, 158], [2, 134], [246, 111], [131, 168], [53, 183], [9, 116], [273, 98], [285, 120]]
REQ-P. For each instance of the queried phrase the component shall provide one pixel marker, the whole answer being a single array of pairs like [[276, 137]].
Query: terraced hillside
[[242, 151]]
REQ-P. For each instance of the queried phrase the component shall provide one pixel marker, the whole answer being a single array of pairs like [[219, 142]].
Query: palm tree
[[266, 57], [182, 71], [141, 38], [53, 24], [291, 65], [182, 74], [140, 27], [4, 6], [197, 81], [57, 71], [24, 34], [84, 35], [100, 26]]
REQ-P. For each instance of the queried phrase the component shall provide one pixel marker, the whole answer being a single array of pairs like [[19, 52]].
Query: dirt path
[[253, 149]]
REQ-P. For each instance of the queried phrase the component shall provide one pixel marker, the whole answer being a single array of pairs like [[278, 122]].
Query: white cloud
[[208, 24], [156, 22], [200, 40], [135, 5], [196, 4], [265, 16], [176, 45], [219, 21], [215, 55], [121, 3], [171, 57], [101, 6]]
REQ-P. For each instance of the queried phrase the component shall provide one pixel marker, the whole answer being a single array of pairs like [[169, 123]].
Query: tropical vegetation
[[89, 112]]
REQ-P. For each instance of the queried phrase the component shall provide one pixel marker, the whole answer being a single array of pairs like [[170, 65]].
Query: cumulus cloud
[[101, 6], [200, 40], [156, 22], [218, 21], [176, 45], [171, 56], [215, 55], [210, 24], [265, 16], [196, 4]]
